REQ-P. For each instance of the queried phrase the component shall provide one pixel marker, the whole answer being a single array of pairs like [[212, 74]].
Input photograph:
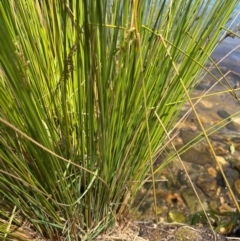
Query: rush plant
[[89, 91]]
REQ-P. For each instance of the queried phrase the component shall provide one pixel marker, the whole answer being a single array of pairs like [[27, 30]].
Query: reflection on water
[[229, 44], [227, 57]]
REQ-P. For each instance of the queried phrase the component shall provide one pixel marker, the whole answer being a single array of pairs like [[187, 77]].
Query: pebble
[[176, 216], [222, 161], [236, 120], [230, 174], [207, 184], [192, 202], [223, 114], [212, 172], [182, 177], [221, 150], [236, 187], [236, 165], [233, 125]]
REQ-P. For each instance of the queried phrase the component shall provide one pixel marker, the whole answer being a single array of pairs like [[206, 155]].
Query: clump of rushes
[[83, 86]]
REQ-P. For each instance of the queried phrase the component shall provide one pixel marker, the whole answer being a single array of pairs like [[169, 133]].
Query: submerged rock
[[230, 174], [236, 186], [236, 165], [192, 202], [176, 216], [197, 157], [188, 135], [223, 114], [233, 125], [207, 184]]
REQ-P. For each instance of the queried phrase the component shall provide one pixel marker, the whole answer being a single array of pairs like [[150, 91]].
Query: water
[[230, 44], [208, 111]]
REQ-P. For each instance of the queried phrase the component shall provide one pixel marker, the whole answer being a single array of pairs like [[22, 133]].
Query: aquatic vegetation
[[227, 223]]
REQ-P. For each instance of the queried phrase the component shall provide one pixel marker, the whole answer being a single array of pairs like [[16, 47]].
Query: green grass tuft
[[83, 86]]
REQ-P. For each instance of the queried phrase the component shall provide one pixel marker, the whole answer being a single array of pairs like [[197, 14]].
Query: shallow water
[[228, 44], [226, 92], [171, 195]]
